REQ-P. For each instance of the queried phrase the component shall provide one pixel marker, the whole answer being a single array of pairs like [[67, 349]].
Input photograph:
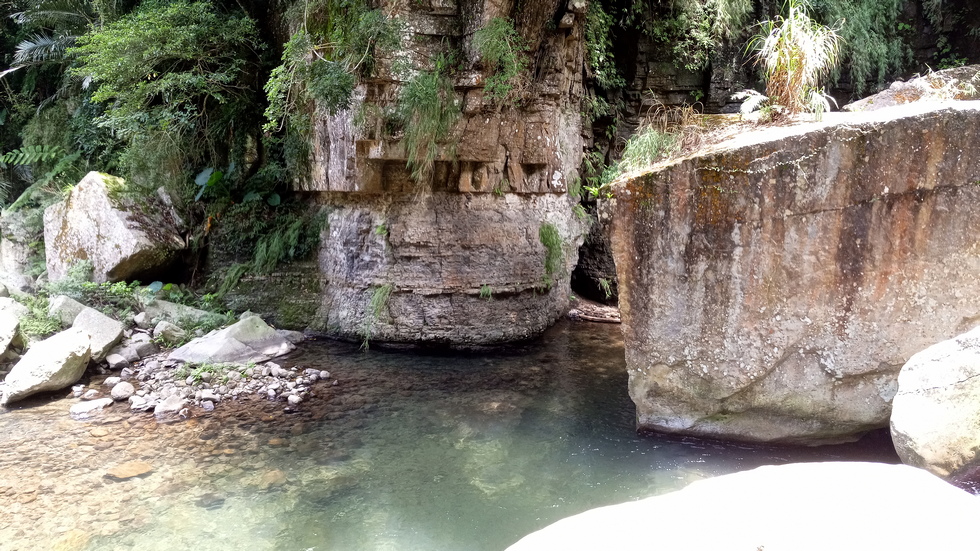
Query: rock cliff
[[455, 255], [773, 286]]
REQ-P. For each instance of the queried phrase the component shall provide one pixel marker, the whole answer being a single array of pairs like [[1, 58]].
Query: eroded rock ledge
[[772, 288]]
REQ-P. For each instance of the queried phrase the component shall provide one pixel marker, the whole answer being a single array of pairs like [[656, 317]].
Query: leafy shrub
[[795, 52], [502, 50], [554, 256], [428, 111]]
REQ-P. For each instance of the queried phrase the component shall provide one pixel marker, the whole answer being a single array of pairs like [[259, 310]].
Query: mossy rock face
[[288, 298]]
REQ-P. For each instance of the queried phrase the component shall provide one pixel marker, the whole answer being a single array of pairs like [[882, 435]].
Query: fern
[[31, 154]]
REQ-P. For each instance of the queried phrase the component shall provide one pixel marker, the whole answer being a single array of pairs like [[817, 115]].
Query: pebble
[[207, 405], [324, 375], [294, 399], [111, 381], [122, 391], [90, 394], [99, 432]]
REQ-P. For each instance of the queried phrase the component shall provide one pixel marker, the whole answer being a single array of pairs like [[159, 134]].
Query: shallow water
[[408, 452]]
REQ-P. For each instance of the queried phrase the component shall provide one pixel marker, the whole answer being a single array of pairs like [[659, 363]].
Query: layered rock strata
[[772, 287], [455, 255]]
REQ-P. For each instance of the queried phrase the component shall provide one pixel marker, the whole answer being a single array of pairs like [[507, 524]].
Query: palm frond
[[42, 48]]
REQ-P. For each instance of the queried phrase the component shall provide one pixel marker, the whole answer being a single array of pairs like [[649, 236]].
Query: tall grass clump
[[428, 109], [795, 53]]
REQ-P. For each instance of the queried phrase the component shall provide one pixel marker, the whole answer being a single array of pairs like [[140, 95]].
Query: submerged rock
[[936, 411], [52, 364], [772, 286], [129, 470], [123, 240], [83, 410], [796, 507]]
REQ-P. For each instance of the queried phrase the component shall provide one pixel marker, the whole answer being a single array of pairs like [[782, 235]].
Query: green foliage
[[486, 292], [606, 287], [376, 307], [29, 155], [874, 43], [646, 147], [115, 299], [599, 47], [795, 52], [428, 111], [38, 324], [554, 257], [504, 51], [338, 44]]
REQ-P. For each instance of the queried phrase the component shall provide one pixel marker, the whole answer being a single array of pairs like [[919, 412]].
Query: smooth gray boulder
[[12, 306], [20, 230], [10, 337], [249, 340], [936, 412], [795, 507], [168, 332], [52, 364], [122, 238], [105, 331], [65, 308]]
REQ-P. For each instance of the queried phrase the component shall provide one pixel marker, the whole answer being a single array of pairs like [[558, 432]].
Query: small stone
[[116, 361], [208, 394], [99, 432], [77, 391], [335, 383], [111, 381], [142, 320], [294, 400], [207, 405], [271, 393], [82, 410], [90, 394], [277, 441], [324, 375], [172, 404], [129, 470], [122, 391]]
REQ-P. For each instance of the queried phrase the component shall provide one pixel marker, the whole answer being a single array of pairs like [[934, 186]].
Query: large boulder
[[52, 364], [249, 340], [936, 412], [122, 237], [773, 286], [958, 83], [796, 507], [104, 331], [65, 308]]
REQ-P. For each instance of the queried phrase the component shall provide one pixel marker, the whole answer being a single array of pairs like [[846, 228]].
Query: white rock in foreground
[[249, 340], [796, 507], [936, 411], [52, 364]]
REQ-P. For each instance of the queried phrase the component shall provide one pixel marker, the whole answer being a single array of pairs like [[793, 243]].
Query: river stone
[[52, 364], [122, 391], [129, 469], [83, 410], [171, 404], [105, 331], [773, 286], [124, 239], [249, 340], [781, 508], [65, 308], [936, 411]]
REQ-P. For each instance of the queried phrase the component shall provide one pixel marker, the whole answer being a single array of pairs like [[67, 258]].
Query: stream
[[410, 451]]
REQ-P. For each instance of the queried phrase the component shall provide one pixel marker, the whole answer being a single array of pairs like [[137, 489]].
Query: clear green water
[[409, 451]]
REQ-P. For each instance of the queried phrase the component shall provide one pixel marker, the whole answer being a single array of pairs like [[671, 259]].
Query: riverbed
[[409, 451]]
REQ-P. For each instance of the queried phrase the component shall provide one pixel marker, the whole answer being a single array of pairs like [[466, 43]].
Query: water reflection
[[409, 452]]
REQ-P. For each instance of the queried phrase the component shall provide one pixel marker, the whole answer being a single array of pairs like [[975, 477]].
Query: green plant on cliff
[[795, 53], [428, 111], [338, 44], [377, 304], [503, 52], [554, 254]]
